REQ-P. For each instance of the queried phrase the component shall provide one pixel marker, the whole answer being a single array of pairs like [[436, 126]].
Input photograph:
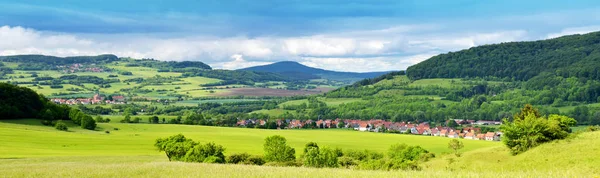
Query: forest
[[569, 56]]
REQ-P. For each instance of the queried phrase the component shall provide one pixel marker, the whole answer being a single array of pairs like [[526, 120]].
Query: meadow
[[30, 150], [22, 139]]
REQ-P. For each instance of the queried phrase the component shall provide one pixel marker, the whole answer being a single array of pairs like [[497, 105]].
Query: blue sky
[[363, 35]]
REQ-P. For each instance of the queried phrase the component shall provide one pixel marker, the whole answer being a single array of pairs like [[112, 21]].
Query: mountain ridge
[[295, 69]]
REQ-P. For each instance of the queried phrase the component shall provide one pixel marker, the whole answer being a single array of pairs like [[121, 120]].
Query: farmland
[[137, 139], [129, 152]]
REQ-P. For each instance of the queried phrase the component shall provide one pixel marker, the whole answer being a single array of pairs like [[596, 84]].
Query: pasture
[[30, 150], [22, 138]]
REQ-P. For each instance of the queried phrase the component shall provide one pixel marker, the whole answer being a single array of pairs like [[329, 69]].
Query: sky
[[351, 35]]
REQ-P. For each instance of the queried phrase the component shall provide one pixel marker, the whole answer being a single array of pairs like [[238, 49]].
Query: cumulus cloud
[[239, 62], [387, 49]]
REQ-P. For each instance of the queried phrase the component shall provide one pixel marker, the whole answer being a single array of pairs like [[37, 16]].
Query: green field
[[30, 150], [137, 139]]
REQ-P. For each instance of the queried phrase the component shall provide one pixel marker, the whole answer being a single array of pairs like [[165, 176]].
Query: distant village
[[96, 99], [470, 133], [80, 68]]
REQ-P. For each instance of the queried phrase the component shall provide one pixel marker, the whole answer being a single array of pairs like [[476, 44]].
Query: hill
[[296, 70], [568, 56]]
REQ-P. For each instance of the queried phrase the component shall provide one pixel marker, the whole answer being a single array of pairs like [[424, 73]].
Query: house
[[118, 98], [443, 133], [490, 136], [435, 132], [453, 134], [480, 137], [470, 136], [364, 126]]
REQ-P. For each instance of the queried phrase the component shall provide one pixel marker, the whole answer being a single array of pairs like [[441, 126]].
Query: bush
[[237, 158], [107, 132], [126, 73], [276, 150], [528, 129], [99, 119], [60, 125], [347, 162], [254, 160], [592, 128], [210, 152], [175, 147], [88, 123], [115, 128], [213, 159]]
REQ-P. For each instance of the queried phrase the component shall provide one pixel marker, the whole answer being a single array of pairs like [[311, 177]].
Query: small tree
[[60, 125], [455, 145], [154, 119], [207, 153], [127, 118], [99, 119], [528, 129], [175, 147], [88, 123], [276, 149]]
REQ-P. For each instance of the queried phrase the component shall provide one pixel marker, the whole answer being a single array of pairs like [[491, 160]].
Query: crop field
[[265, 92]]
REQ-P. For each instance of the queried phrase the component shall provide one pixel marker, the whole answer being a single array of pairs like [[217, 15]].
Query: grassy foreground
[[30, 150]]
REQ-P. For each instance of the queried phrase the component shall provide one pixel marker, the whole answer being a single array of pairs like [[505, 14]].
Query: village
[[469, 132], [96, 99]]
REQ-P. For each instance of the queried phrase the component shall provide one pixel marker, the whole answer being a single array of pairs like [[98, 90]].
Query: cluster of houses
[[80, 68], [96, 99], [471, 133]]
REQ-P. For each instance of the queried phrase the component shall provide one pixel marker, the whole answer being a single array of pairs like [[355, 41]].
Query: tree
[[451, 123], [175, 147], [154, 119], [207, 153], [276, 150], [99, 119], [126, 119], [340, 124], [60, 125], [528, 130], [455, 145], [88, 123]]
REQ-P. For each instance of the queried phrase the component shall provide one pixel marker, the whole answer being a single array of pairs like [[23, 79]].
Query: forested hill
[[568, 56], [296, 70]]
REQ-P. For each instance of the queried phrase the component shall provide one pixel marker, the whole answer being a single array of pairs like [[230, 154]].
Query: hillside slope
[[299, 71], [574, 55], [576, 156]]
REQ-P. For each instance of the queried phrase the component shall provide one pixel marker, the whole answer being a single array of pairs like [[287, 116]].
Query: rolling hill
[[296, 70], [567, 56]]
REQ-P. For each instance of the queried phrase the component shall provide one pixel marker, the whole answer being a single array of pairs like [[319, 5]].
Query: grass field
[[30, 150], [22, 139]]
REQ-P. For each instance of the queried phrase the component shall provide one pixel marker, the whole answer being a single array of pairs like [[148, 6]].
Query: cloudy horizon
[[357, 37]]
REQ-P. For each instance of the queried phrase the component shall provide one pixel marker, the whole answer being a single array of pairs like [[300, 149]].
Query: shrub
[[276, 150], [528, 129], [126, 73], [347, 162], [107, 132], [99, 119], [175, 147], [237, 158], [254, 160], [213, 159], [206, 152], [60, 125], [88, 123], [115, 128], [592, 128]]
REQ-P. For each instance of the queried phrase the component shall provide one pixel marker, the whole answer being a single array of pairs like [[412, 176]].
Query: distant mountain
[[298, 71], [567, 56]]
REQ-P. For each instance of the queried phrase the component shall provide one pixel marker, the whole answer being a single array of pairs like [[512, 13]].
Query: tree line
[[278, 153]]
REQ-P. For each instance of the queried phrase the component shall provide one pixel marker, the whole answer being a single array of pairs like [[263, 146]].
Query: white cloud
[[572, 31], [393, 48], [239, 63]]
